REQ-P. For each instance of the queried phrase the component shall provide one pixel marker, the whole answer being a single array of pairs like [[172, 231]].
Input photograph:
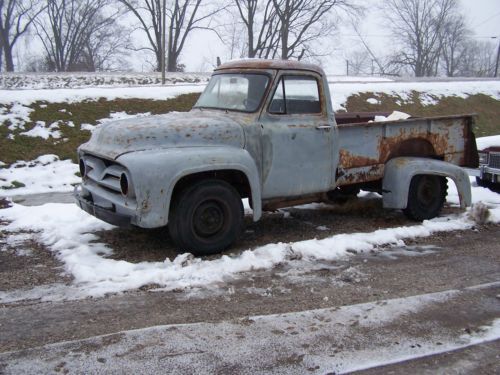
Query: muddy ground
[[446, 261]]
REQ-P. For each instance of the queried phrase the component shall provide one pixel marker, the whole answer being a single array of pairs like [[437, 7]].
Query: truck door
[[296, 137]]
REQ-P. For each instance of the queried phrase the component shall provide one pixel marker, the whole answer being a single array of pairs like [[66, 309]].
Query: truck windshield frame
[[239, 92]]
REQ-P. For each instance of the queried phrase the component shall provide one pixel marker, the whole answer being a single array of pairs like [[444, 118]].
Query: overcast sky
[[203, 47], [483, 17]]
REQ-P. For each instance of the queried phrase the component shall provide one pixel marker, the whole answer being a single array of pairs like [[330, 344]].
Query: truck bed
[[366, 146]]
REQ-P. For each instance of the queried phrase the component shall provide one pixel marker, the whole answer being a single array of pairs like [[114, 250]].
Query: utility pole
[[498, 58], [164, 30], [347, 67]]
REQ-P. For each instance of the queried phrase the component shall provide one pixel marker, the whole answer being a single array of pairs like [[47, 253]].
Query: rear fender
[[398, 173]]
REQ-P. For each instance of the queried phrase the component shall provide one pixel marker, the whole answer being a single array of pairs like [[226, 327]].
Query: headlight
[[124, 184], [483, 157], [83, 168]]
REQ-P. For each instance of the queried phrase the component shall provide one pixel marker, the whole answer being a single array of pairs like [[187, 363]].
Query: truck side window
[[296, 95]]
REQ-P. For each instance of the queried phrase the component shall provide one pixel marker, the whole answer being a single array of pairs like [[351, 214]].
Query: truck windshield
[[235, 92]]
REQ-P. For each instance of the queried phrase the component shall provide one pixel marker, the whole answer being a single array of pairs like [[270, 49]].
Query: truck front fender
[[398, 173], [154, 174]]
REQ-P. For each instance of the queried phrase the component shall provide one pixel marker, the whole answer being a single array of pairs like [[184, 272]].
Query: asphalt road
[[430, 307]]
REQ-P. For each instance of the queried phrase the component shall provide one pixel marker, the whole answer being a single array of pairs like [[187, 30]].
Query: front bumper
[[489, 174], [107, 214]]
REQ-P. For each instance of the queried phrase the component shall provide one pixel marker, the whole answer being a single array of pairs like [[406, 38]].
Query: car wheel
[[426, 197], [206, 217]]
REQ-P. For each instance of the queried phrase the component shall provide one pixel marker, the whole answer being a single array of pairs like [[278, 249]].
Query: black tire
[[482, 183], [206, 217], [426, 197]]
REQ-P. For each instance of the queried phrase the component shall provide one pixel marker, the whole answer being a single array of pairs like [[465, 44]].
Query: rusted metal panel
[[374, 144]]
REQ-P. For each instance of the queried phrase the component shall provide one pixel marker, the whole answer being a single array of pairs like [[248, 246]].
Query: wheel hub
[[426, 192], [208, 219]]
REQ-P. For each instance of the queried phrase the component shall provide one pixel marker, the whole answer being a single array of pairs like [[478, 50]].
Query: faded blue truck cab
[[264, 130]]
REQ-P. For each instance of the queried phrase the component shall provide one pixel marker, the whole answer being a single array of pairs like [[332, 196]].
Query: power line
[[486, 20]]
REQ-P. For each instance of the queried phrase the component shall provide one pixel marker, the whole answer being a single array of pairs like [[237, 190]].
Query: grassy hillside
[[89, 112]]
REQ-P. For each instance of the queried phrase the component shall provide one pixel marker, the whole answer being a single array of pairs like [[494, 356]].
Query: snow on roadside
[[45, 174], [67, 231]]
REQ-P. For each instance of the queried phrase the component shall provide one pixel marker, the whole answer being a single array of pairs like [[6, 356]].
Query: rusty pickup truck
[[265, 130]]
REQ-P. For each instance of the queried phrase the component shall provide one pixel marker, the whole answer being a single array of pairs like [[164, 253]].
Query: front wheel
[[426, 197], [206, 217]]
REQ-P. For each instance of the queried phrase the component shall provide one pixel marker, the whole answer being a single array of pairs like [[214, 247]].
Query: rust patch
[[348, 160]]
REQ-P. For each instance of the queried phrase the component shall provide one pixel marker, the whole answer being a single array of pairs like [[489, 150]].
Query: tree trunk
[[172, 62], [284, 43], [9, 63]]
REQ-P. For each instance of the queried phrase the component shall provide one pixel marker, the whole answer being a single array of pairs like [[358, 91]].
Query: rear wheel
[[426, 197], [206, 218]]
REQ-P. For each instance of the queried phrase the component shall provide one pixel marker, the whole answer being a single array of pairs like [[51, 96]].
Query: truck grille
[[103, 173], [494, 161]]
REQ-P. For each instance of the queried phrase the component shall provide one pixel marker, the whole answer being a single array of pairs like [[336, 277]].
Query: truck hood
[[188, 129]]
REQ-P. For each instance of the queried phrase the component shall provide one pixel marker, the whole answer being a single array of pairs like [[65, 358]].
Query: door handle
[[323, 127]]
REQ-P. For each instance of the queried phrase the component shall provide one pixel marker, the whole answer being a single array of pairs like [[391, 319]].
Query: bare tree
[[261, 23], [73, 33], [16, 16], [478, 59], [104, 48], [148, 14], [454, 35], [360, 62], [304, 21], [184, 17], [418, 24]]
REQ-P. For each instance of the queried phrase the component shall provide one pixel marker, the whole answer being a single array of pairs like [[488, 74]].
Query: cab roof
[[269, 64]]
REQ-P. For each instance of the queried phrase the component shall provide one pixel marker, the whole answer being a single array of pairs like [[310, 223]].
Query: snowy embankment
[[80, 80], [67, 231], [340, 92]]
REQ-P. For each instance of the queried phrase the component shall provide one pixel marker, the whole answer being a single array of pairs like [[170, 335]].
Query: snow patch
[[40, 130], [485, 142], [17, 114], [45, 174], [394, 116]]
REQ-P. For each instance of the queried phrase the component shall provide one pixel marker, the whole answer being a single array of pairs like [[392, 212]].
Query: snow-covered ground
[[330, 340], [68, 232]]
